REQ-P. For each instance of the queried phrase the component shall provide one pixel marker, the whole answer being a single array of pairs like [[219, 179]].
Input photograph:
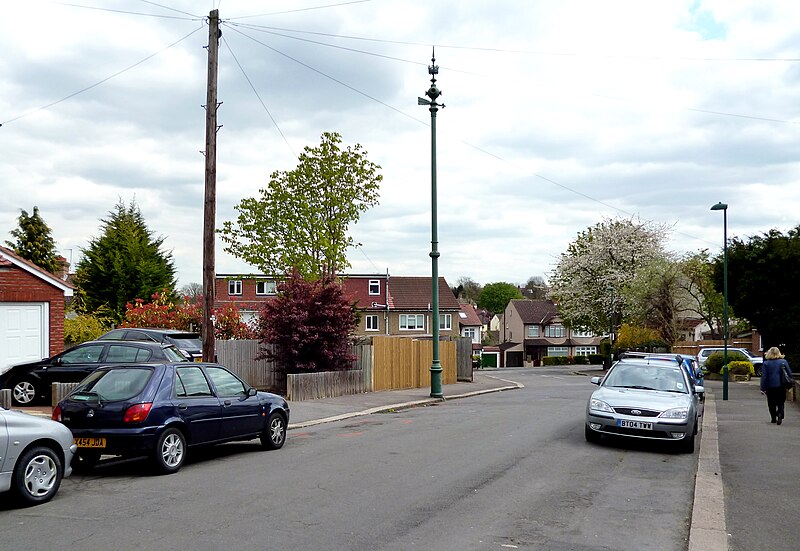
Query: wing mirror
[[699, 389], [251, 391], [596, 380]]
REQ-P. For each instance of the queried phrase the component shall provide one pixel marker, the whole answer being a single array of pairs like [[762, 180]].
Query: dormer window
[[374, 287]]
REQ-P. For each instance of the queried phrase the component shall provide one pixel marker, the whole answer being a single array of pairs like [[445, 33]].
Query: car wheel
[[37, 476], [85, 461], [170, 452], [591, 436], [274, 434], [687, 444], [23, 392]]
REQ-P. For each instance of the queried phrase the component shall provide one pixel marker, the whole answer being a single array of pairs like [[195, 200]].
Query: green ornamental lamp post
[[724, 208], [433, 93]]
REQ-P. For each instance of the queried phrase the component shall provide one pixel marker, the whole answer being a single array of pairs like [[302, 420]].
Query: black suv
[[187, 342], [31, 381]]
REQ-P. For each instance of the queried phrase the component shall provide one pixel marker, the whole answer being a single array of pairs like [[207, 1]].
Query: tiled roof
[[470, 317], [414, 293], [535, 311]]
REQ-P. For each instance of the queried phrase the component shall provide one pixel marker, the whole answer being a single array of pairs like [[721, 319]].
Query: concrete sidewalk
[[759, 464]]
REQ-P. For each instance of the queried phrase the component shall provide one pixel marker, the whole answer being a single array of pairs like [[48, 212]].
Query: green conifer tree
[[34, 242]]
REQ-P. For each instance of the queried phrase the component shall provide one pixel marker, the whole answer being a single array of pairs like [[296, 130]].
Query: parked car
[[187, 342], [30, 382], [647, 397], [161, 410], [756, 360], [35, 454]]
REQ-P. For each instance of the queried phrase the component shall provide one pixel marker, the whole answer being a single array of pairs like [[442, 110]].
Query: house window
[[265, 287], [445, 322], [533, 330], [371, 322], [581, 332], [585, 350], [472, 333], [555, 331], [374, 286], [412, 322], [235, 287], [557, 351]]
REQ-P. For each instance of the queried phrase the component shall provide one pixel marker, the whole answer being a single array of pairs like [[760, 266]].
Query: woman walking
[[772, 382]]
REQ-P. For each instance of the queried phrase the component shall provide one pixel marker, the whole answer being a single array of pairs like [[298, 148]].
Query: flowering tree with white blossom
[[591, 282]]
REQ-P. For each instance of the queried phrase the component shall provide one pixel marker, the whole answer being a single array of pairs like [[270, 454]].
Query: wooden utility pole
[[210, 206]]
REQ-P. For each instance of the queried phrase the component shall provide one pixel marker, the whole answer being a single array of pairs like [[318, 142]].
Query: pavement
[[742, 455]]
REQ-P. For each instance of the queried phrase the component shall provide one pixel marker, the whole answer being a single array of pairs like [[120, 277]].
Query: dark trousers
[[776, 397]]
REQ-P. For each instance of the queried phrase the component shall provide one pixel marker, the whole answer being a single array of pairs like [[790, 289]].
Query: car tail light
[[137, 413], [56, 414]]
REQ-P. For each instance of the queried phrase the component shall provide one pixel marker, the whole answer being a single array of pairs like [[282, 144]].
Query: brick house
[[31, 310], [533, 329], [387, 305]]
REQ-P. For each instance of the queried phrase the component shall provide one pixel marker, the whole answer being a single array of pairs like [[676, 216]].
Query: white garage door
[[24, 335]]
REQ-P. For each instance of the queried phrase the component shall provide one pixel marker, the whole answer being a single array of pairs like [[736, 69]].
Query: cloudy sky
[[558, 114]]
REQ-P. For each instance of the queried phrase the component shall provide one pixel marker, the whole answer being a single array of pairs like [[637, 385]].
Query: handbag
[[787, 379]]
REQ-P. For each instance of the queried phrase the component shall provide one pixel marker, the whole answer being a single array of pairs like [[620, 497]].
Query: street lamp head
[[719, 206]]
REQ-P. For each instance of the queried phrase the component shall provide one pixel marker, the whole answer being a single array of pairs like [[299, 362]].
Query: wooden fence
[[238, 356], [325, 384], [464, 359], [401, 362]]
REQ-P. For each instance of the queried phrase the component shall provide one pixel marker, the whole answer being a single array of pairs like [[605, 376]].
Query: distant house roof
[[9, 258], [414, 293], [535, 312], [468, 316]]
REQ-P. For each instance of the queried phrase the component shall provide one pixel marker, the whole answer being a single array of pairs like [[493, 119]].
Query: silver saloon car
[[35, 454], [649, 398]]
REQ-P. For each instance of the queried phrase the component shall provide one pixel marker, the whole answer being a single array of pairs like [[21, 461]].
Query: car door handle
[[226, 403], [182, 407]]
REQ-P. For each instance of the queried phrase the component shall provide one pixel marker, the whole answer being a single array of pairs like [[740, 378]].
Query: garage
[[32, 304], [22, 333]]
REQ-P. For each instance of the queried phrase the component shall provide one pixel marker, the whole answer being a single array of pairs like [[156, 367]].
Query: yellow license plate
[[90, 442], [199, 359]]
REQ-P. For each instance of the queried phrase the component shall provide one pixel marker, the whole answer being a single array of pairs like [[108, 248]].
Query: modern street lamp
[[724, 208], [433, 93]]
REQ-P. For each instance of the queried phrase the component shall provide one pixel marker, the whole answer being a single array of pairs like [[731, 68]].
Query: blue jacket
[[771, 376]]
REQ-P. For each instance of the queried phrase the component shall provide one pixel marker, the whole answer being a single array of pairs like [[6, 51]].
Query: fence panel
[[404, 362], [325, 384], [238, 356], [464, 359]]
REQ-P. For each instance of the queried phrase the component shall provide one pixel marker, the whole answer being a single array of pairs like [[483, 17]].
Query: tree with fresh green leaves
[[591, 278], [309, 325], [125, 263], [701, 296], [495, 296], [301, 220], [34, 242], [763, 280]]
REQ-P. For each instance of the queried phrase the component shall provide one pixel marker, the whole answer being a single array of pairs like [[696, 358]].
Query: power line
[[99, 82], [169, 8], [127, 12], [253, 88], [301, 9]]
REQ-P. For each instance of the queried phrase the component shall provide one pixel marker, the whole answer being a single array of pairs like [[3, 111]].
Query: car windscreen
[[646, 377], [186, 342], [112, 385]]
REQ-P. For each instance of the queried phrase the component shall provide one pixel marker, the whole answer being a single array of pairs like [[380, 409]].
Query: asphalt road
[[508, 470]]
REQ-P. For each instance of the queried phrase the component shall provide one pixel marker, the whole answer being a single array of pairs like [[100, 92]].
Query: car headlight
[[675, 413], [599, 405]]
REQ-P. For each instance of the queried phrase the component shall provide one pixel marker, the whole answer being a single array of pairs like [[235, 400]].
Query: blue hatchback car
[[162, 410]]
